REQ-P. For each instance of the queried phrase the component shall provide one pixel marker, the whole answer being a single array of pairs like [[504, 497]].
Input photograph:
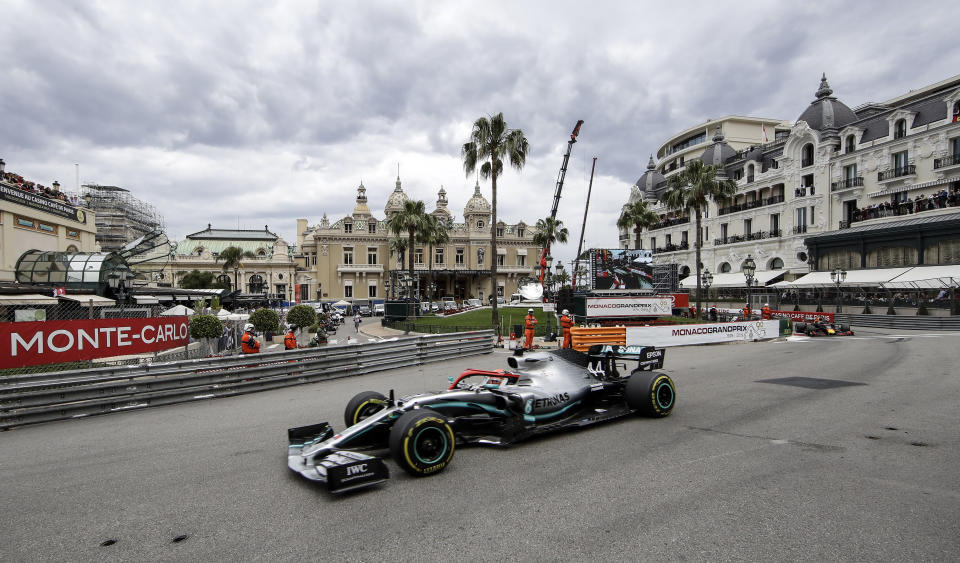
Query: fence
[[900, 322], [35, 398]]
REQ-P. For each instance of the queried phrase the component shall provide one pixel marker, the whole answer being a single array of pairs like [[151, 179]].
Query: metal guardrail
[[901, 322], [35, 398]]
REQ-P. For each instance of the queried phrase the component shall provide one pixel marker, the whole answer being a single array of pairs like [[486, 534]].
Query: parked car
[[366, 311], [473, 303], [378, 309]]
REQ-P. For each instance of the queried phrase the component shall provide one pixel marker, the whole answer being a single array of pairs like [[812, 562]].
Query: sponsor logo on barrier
[[599, 307], [48, 342]]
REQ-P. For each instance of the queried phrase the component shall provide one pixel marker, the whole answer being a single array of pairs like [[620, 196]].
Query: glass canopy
[[69, 269]]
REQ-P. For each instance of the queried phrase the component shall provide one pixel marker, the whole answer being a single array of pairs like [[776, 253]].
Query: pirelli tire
[[422, 442], [651, 393], [362, 405]]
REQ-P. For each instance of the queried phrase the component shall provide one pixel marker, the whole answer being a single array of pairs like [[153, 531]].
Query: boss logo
[[356, 469]]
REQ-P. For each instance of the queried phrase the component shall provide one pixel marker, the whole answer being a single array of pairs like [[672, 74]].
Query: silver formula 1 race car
[[541, 392]]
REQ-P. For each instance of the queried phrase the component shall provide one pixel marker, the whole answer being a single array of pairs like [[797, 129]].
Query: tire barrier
[[45, 397]]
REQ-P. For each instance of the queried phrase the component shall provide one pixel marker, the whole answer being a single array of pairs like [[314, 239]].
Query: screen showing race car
[[621, 268]]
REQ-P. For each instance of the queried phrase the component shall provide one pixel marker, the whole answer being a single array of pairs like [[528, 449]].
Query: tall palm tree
[[546, 232], [411, 219], [232, 257], [693, 189], [435, 233], [397, 247], [490, 142], [639, 216], [562, 277]]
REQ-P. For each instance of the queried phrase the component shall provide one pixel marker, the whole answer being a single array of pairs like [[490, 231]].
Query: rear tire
[[651, 393], [362, 405], [421, 442], [799, 327]]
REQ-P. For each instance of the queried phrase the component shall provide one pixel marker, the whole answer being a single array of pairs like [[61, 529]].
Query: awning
[[737, 279], [927, 277], [164, 297], [146, 299], [501, 250], [27, 299], [855, 278], [521, 252], [86, 299]]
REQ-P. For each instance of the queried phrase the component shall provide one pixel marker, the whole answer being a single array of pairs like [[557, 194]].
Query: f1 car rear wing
[[648, 357]]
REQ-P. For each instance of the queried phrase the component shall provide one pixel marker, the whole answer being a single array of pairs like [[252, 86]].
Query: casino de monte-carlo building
[[349, 258], [874, 190]]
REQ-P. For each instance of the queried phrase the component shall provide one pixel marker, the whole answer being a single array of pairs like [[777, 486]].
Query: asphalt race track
[[854, 454]]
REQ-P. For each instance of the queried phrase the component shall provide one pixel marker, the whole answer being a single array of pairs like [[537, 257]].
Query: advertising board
[[619, 268], [614, 307], [48, 342], [684, 335]]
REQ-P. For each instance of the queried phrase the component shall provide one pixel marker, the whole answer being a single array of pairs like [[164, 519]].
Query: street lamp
[[838, 275], [749, 267], [118, 284], [433, 288], [706, 278], [386, 288]]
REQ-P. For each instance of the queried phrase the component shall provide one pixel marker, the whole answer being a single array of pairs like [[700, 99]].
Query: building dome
[[826, 113], [717, 153], [477, 203], [396, 200], [651, 184]]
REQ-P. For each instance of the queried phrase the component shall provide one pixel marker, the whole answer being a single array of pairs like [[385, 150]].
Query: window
[[313, 259], [479, 224], [955, 148], [372, 290], [724, 231], [34, 225], [774, 224], [849, 173], [956, 112], [776, 264], [521, 259], [653, 243], [669, 239], [73, 234], [418, 256], [501, 259], [520, 232], [348, 227], [348, 291], [849, 144], [73, 248], [372, 229], [459, 257], [900, 161], [802, 217], [499, 291], [725, 268], [900, 129], [438, 256], [348, 256], [748, 227], [750, 174], [371, 255], [807, 155], [738, 174], [256, 284], [812, 214], [499, 231], [479, 257], [683, 238]]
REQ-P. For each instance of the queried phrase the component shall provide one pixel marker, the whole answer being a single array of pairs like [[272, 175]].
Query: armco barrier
[[34, 398], [901, 322]]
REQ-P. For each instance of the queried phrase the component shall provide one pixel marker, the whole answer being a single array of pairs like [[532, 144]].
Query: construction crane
[[556, 198]]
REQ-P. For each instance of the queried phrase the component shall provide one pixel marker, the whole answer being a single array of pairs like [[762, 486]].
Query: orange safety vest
[[531, 322], [249, 344], [566, 322], [290, 341], [765, 313], [747, 312]]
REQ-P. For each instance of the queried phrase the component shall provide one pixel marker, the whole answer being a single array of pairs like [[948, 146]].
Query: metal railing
[[845, 184], [946, 161], [45, 397], [908, 170]]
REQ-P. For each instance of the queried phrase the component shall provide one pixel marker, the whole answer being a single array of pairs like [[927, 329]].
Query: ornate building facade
[[350, 257], [872, 187]]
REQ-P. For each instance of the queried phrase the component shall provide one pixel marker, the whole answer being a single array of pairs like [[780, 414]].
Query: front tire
[[421, 442], [651, 393], [362, 405]]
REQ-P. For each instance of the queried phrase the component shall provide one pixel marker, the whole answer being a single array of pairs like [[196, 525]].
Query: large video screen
[[618, 268]]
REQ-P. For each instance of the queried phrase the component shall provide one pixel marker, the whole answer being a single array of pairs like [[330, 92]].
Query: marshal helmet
[[248, 327]]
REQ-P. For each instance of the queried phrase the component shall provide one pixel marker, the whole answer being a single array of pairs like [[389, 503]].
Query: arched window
[[775, 264], [725, 268], [256, 284], [72, 248], [750, 175], [261, 253], [849, 144], [900, 129], [198, 251], [806, 156], [685, 271], [956, 111], [224, 281]]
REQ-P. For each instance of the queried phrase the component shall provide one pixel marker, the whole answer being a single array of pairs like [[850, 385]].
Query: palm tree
[[232, 256], [546, 232], [434, 234], [562, 277], [639, 216], [397, 246], [490, 142], [693, 188], [412, 219]]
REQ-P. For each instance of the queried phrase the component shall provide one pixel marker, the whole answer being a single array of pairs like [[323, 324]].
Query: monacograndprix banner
[[50, 342], [609, 307], [683, 335]]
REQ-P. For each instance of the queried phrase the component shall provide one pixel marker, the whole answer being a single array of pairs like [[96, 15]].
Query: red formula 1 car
[[819, 328]]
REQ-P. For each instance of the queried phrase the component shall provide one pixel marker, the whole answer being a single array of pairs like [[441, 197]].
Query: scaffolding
[[120, 217]]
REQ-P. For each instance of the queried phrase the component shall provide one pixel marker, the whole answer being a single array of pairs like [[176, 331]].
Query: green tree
[[435, 233], [491, 141], [302, 316], [638, 216], [548, 231], [411, 219], [562, 277], [265, 320], [206, 327], [198, 280], [232, 257], [692, 189]]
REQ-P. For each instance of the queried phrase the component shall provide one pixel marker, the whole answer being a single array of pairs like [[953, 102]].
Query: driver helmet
[[530, 310], [566, 312], [248, 327]]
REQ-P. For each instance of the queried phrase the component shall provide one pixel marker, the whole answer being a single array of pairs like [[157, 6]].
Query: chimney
[[56, 186]]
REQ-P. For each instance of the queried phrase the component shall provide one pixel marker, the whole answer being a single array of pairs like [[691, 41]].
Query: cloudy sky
[[257, 113]]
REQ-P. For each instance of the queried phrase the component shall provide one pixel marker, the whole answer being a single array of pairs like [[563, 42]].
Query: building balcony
[[946, 162], [758, 235], [847, 184], [799, 229], [941, 201], [750, 205], [670, 223], [672, 248], [359, 268], [896, 173], [804, 191]]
